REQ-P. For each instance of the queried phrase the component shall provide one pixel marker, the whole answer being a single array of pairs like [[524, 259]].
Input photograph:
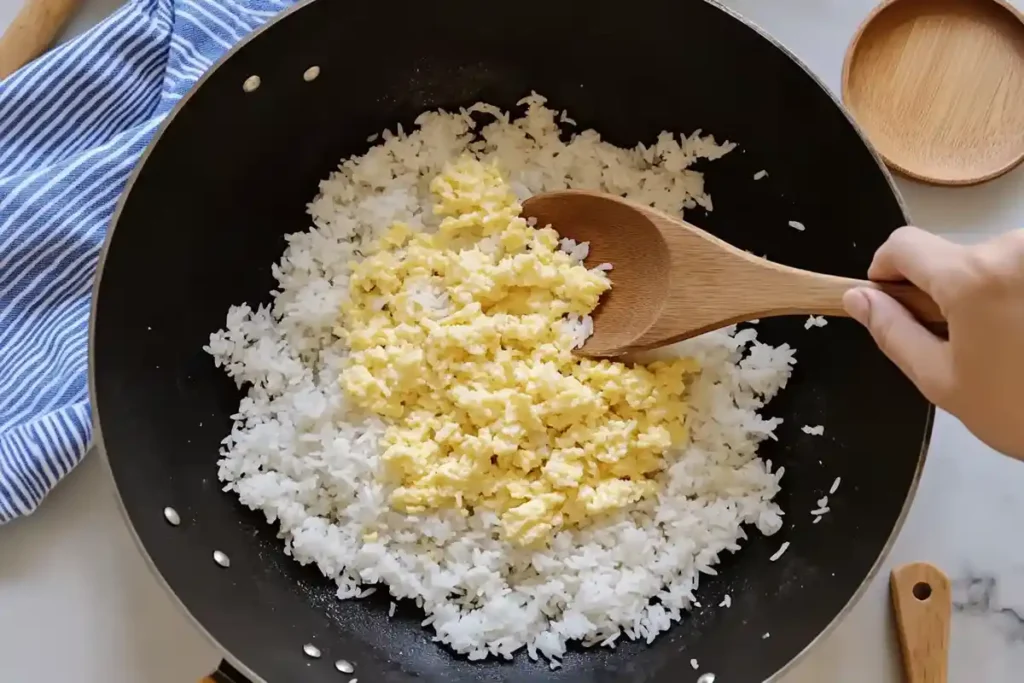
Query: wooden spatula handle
[[225, 673], [785, 290], [32, 31], [922, 306], [922, 601]]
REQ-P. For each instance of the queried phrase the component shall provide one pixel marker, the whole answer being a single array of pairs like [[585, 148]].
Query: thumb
[[922, 356]]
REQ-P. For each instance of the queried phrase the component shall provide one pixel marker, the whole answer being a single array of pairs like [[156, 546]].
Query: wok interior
[[231, 175]]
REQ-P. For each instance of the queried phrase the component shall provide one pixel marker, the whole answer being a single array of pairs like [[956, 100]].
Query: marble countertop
[[77, 602]]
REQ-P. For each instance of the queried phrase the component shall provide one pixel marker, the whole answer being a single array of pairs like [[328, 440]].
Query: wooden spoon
[[671, 280], [922, 601], [32, 31]]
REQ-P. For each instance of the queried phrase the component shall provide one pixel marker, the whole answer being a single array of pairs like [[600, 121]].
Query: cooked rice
[[797, 225], [817, 430], [835, 486], [780, 552], [300, 455], [815, 321], [760, 174]]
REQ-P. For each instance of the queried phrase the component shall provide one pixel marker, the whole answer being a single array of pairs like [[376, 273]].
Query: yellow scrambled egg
[[459, 341]]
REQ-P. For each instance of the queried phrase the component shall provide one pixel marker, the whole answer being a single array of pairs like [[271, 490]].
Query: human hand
[[978, 374]]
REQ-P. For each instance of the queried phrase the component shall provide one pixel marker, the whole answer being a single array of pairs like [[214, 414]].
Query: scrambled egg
[[459, 340]]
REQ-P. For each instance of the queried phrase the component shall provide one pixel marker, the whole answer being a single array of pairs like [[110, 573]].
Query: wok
[[229, 175]]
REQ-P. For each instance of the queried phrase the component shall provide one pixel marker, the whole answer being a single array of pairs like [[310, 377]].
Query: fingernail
[[858, 305]]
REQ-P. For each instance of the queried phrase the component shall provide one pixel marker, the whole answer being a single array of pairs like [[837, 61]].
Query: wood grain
[[938, 87], [922, 622], [671, 280], [32, 31]]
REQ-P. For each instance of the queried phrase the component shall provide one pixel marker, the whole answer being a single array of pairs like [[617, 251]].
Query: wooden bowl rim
[[850, 103]]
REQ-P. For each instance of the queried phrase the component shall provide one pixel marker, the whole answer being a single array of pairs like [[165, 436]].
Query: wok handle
[[225, 673], [922, 601]]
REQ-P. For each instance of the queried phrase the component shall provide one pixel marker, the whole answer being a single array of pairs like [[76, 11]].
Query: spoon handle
[[920, 305], [802, 292], [32, 31]]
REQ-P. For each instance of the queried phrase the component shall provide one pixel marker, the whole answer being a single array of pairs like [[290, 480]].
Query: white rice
[[760, 174], [726, 601], [780, 552], [835, 486], [391, 610], [577, 252], [694, 664], [821, 510], [817, 430], [797, 225], [815, 321], [297, 453]]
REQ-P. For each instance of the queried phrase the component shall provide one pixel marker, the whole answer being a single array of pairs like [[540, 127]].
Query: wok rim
[[100, 447]]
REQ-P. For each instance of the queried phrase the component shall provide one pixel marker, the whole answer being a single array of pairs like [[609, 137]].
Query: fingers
[[915, 255], [923, 357]]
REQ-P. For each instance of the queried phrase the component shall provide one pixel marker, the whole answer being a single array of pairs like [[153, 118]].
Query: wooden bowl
[[938, 87]]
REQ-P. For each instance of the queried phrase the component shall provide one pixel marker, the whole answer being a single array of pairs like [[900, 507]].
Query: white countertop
[[77, 602]]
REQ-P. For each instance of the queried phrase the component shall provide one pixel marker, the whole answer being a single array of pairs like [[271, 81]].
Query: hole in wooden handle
[[922, 601]]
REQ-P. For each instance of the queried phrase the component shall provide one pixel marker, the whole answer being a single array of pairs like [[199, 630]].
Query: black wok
[[229, 175]]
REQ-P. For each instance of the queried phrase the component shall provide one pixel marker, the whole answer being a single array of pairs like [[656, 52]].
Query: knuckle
[[989, 271], [902, 239], [903, 233], [974, 272]]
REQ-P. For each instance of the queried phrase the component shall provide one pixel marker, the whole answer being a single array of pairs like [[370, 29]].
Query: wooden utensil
[[671, 280], [921, 599], [33, 30], [938, 86]]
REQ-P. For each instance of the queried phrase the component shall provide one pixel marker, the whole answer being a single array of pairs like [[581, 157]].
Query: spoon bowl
[[631, 242], [672, 281]]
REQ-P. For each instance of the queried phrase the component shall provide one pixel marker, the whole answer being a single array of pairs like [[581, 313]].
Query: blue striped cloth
[[72, 125]]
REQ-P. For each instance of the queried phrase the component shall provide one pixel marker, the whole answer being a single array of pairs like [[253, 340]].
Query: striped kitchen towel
[[72, 125]]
